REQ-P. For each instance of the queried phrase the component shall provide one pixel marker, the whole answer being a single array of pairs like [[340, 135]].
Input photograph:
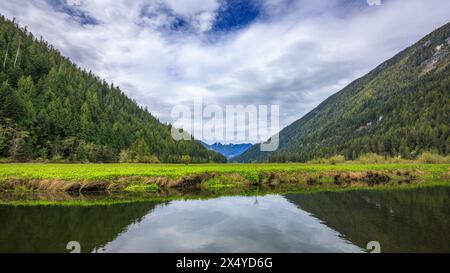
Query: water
[[401, 221]]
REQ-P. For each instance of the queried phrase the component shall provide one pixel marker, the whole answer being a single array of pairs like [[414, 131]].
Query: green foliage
[[401, 108], [294, 176], [433, 158], [50, 109], [186, 159], [21, 148], [336, 159], [331, 160], [223, 181], [11, 104], [125, 156], [142, 188], [371, 158]]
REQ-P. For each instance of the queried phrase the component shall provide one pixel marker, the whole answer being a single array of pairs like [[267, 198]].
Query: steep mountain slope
[[400, 108], [51, 109], [228, 150]]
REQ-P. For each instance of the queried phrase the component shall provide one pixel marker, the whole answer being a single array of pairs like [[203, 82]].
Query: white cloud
[[296, 58], [193, 7]]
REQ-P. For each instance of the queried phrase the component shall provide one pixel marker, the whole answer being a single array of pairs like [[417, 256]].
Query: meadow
[[62, 184], [91, 172]]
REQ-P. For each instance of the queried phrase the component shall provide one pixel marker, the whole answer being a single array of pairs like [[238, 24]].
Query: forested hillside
[[52, 110], [401, 108]]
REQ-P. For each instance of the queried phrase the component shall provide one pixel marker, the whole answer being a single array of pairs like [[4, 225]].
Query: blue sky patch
[[76, 14], [236, 14]]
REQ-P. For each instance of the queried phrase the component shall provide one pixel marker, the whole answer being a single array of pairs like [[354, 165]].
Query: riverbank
[[166, 181]]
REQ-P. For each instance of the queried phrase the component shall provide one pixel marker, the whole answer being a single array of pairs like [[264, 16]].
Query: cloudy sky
[[293, 53]]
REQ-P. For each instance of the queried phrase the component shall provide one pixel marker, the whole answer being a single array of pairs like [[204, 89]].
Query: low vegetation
[[432, 158], [164, 179], [372, 158]]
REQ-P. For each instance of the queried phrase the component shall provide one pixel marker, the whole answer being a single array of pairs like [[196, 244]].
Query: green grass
[[231, 179], [141, 188], [92, 172], [223, 182]]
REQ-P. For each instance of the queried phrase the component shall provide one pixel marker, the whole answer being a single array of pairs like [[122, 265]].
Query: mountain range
[[230, 151]]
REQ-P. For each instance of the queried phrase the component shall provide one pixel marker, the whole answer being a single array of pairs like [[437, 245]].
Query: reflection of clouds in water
[[230, 224]]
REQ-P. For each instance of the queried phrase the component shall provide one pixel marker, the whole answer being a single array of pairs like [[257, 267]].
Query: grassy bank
[[91, 172], [145, 178]]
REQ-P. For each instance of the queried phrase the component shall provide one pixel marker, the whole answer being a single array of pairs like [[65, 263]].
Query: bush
[[58, 159], [125, 156], [331, 160], [398, 160], [336, 159], [186, 159], [371, 158], [142, 188], [6, 160], [147, 159], [432, 158]]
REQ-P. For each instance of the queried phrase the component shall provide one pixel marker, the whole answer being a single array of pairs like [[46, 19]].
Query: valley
[[363, 158]]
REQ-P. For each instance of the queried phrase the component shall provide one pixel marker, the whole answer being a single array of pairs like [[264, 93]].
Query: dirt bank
[[300, 179]]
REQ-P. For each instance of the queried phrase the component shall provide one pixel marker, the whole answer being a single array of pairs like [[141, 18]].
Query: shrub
[[371, 158], [398, 160], [316, 161], [142, 188], [432, 158], [336, 159], [125, 156], [331, 160], [6, 160], [186, 159], [58, 159], [147, 159]]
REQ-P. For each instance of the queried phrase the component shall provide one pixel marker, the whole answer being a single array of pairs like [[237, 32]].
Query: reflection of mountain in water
[[401, 220], [34, 229]]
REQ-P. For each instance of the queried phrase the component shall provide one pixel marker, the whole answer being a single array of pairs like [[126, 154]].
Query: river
[[413, 220]]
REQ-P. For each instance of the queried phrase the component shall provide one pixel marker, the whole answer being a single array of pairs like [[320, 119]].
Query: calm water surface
[[402, 221]]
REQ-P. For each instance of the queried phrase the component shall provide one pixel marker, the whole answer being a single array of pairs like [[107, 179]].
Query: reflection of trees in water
[[401, 220], [49, 229]]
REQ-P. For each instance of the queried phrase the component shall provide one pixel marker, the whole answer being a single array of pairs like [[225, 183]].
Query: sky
[[291, 53]]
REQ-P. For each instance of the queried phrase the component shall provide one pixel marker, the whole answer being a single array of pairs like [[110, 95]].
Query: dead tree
[[17, 55], [6, 56]]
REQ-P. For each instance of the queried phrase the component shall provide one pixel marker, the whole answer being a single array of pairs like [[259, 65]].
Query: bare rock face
[[440, 52], [426, 44]]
